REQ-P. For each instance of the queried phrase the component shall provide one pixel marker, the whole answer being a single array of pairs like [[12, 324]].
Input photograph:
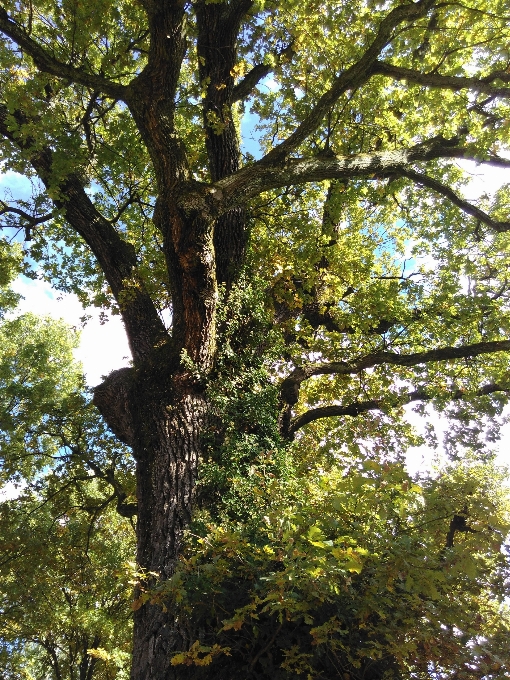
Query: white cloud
[[10, 491], [103, 347]]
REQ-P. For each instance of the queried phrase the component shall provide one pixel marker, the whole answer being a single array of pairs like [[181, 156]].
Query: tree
[[310, 293], [64, 598]]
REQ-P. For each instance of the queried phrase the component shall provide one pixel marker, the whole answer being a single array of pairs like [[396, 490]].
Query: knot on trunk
[[113, 399]]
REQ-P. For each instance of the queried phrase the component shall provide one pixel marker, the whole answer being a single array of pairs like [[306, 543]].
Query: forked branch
[[359, 407], [27, 221], [250, 81]]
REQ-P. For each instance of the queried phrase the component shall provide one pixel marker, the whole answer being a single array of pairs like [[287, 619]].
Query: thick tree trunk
[[160, 410], [167, 458]]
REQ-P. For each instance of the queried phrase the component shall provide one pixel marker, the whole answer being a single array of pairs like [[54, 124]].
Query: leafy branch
[[352, 78], [116, 257], [290, 386], [483, 85], [465, 206], [47, 63], [291, 426], [124, 509]]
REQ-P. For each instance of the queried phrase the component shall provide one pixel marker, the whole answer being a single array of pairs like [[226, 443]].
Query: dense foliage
[[285, 298]]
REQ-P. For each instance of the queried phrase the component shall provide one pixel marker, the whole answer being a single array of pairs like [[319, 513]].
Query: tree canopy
[[284, 299]]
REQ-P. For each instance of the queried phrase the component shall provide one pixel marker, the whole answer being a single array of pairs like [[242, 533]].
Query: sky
[[103, 346]]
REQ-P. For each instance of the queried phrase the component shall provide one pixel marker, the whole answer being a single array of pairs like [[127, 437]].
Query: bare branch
[[356, 408], [46, 63], [436, 81], [252, 180], [465, 206], [4, 209]]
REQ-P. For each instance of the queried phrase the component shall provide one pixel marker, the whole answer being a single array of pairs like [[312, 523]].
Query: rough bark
[[167, 465], [218, 29]]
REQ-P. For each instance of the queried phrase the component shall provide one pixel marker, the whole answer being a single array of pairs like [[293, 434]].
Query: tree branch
[[28, 222], [46, 63], [254, 179], [123, 508], [356, 408], [4, 209], [352, 78], [434, 80], [245, 87], [235, 11], [465, 206], [115, 256], [290, 386]]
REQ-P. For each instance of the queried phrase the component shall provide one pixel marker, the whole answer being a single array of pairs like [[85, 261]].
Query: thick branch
[[356, 408], [218, 30], [290, 386], [252, 180], [151, 97], [437, 81], [113, 399], [48, 64], [352, 78], [115, 256], [234, 12], [458, 523], [465, 206]]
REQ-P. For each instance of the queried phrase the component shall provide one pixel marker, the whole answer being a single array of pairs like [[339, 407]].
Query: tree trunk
[[159, 409], [167, 458]]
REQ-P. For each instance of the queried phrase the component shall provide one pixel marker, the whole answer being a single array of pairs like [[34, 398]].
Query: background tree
[[342, 274], [64, 598]]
